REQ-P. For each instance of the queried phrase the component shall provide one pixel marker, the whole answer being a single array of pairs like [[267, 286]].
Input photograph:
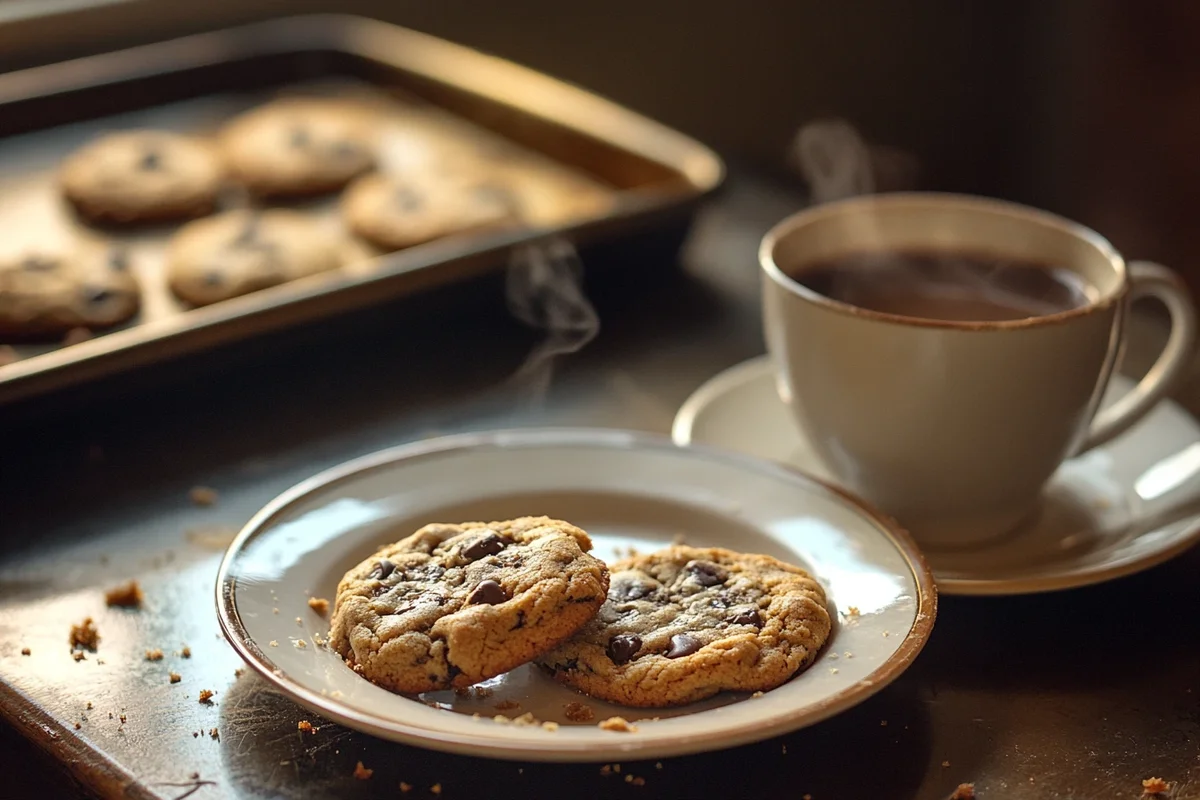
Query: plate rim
[[745, 371], [494, 746]]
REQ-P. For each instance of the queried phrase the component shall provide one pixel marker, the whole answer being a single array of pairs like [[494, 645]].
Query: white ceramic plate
[[627, 490], [1116, 510]]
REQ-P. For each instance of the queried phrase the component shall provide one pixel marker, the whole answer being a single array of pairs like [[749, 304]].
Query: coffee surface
[[956, 286]]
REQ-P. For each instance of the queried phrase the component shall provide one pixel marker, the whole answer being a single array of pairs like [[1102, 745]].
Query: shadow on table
[[850, 757]]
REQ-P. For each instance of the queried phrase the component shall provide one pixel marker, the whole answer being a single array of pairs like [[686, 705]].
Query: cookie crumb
[[304, 726], [127, 595], [579, 712], [239, 672], [203, 496], [299, 621], [847, 654], [274, 610], [883, 723], [965, 791], [273, 643], [436, 788], [213, 734], [122, 718], [945, 763], [195, 734], [507, 705], [606, 770], [154, 655], [85, 635], [77, 726], [658, 765], [618, 724], [78, 655], [636, 780], [25, 651], [1153, 786], [8, 355], [550, 726], [758, 694], [885, 634], [832, 655], [76, 335], [319, 605], [617, 768], [405, 787], [361, 772], [852, 611], [833, 670], [206, 696], [174, 677], [300, 644], [186, 652], [89, 705], [500, 718], [319, 642]]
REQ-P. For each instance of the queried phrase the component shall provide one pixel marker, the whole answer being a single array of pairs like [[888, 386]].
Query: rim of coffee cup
[[808, 216]]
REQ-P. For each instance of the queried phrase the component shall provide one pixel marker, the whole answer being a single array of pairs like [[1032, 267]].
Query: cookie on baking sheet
[[453, 605], [685, 623], [142, 176], [393, 212], [44, 295], [299, 146], [242, 251]]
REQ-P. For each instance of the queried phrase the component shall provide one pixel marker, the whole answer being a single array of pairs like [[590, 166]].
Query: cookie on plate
[[45, 295], [299, 146], [242, 251], [453, 605], [685, 623], [142, 176], [393, 213]]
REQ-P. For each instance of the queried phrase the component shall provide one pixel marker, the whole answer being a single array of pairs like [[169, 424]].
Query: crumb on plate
[[550, 726], [26, 651], [206, 696], [154, 655], [617, 724], [579, 712], [1153, 786], [174, 677], [319, 605], [85, 635], [78, 655], [964, 791], [361, 772], [186, 652], [127, 595]]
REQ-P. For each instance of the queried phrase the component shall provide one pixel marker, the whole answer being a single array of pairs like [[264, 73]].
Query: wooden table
[[1077, 694]]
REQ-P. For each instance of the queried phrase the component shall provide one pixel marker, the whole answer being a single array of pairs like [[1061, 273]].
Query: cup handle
[[1147, 279]]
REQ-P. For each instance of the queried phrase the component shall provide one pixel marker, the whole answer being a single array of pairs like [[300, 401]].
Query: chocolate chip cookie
[[453, 605], [299, 146], [242, 251], [397, 212], [685, 623], [45, 295], [142, 176]]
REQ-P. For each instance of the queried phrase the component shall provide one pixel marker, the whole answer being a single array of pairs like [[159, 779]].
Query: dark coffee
[[946, 285]]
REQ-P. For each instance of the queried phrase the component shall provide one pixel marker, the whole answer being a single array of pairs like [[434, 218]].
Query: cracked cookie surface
[[684, 623], [455, 604]]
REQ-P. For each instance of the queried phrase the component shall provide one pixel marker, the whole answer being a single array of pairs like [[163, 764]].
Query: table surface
[[1079, 694]]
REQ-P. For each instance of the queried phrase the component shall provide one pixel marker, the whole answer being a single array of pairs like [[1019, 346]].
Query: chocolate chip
[[151, 160], [382, 569], [623, 647], [706, 573], [213, 278], [485, 546], [39, 263], [118, 260], [298, 137], [630, 590], [95, 295], [487, 593], [407, 199], [747, 616], [682, 645]]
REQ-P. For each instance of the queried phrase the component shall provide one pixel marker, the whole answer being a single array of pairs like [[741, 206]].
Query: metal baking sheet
[[630, 171]]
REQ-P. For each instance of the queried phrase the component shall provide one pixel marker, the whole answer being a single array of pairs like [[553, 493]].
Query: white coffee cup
[[954, 427]]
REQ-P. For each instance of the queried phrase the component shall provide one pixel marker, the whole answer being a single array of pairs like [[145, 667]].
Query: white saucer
[[627, 490], [1114, 511]]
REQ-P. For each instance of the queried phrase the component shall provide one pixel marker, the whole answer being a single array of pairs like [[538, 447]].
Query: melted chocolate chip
[[682, 645], [118, 260], [485, 546], [406, 199], [39, 264], [382, 569], [151, 160], [623, 591], [623, 647], [706, 573], [747, 616], [487, 593], [95, 295]]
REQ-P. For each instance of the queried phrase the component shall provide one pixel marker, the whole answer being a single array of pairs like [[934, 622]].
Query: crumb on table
[[78, 655], [1153, 786], [304, 726], [186, 652], [85, 635], [215, 734], [122, 718], [174, 677], [964, 791], [319, 605], [154, 655], [618, 724], [361, 772], [405, 787], [436, 788], [579, 712], [203, 495], [25, 651], [300, 644], [127, 595], [206, 696]]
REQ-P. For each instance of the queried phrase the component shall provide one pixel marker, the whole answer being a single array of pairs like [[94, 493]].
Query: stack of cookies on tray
[[288, 150], [456, 604]]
